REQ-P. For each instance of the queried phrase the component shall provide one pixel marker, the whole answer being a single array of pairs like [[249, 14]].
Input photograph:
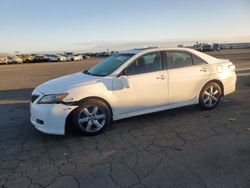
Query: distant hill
[[4, 54]]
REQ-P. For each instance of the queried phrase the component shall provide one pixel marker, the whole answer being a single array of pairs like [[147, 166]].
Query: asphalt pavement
[[184, 147]]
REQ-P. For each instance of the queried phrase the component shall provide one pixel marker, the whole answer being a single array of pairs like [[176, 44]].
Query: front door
[[148, 85]]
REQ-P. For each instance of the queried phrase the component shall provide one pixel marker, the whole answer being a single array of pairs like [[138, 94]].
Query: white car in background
[[56, 58], [72, 57], [128, 84], [77, 57], [67, 57], [3, 60], [61, 57], [53, 58]]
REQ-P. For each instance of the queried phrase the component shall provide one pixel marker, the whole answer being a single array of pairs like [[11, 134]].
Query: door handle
[[161, 77], [203, 69]]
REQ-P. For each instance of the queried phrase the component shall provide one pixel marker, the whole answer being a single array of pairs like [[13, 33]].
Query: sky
[[88, 25]]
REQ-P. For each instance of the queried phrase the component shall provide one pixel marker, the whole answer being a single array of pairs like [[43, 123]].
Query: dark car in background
[[14, 60], [41, 58], [216, 47], [203, 47]]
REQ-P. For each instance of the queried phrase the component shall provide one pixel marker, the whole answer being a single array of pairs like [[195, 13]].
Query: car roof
[[204, 56], [139, 50]]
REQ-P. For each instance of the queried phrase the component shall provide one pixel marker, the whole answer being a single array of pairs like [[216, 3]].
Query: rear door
[[187, 74]]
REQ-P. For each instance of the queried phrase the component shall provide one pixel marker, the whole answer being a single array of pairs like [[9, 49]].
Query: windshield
[[109, 65]]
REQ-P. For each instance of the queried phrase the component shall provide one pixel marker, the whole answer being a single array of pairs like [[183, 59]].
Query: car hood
[[64, 83]]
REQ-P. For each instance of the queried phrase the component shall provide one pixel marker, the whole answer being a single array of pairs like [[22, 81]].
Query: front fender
[[95, 90]]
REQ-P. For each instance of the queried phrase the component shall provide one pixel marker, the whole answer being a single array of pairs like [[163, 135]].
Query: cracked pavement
[[184, 147]]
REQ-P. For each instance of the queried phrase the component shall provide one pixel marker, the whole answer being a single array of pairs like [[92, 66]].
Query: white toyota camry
[[128, 84]]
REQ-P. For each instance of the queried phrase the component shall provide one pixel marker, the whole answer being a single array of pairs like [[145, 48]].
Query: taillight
[[231, 67]]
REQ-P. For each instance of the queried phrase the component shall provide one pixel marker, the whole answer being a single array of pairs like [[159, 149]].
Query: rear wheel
[[210, 96], [92, 117]]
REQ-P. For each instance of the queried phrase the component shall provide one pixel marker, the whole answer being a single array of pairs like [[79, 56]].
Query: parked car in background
[[216, 47], [85, 56], [61, 57], [77, 57], [64, 57], [56, 57], [40, 58], [27, 58], [154, 79], [102, 54], [69, 56], [3, 60], [203, 47], [73, 57], [53, 58], [14, 60]]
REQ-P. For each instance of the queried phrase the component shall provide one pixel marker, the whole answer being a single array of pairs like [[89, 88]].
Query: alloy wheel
[[91, 119], [211, 96]]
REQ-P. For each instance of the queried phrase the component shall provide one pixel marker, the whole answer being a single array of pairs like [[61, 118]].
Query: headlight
[[53, 98]]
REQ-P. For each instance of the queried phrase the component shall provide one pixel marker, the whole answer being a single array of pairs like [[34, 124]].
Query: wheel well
[[100, 99], [219, 83], [71, 114]]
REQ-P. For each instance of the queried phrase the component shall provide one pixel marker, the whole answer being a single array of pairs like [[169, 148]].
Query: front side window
[[147, 63], [109, 65], [178, 60]]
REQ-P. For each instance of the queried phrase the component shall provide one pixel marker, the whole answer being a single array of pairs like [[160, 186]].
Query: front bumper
[[49, 118]]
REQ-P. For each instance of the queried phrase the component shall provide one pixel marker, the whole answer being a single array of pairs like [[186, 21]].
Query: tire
[[92, 117], [210, 96]]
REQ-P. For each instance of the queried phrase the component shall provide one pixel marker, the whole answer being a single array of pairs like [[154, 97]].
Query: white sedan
[[77, 57], [128, 84]]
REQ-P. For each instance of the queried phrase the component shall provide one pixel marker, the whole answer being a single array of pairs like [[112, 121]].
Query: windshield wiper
[[91, 74], [87, 72]]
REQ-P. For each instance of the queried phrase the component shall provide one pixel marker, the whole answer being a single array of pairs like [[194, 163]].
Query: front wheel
[[92, 117], [210, 96]]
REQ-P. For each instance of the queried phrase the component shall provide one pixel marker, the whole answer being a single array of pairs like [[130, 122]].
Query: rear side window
[[198, 61], [178, 60]]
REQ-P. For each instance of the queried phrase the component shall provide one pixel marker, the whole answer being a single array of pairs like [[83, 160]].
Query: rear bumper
[[230, 83]]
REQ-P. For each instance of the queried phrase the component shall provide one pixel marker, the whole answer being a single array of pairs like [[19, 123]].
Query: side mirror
[[124, 81]]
